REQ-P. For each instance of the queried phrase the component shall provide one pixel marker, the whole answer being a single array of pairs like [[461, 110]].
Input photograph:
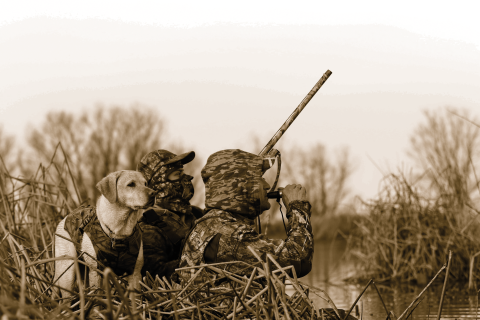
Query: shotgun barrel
[[294, 114]]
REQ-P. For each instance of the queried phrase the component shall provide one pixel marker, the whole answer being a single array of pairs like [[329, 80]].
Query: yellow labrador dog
[[106, 235]]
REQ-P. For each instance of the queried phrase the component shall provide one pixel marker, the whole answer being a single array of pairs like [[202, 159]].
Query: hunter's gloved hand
[[293, 192]]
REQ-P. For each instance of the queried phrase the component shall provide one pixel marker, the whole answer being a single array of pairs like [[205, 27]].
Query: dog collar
[[119, 244]]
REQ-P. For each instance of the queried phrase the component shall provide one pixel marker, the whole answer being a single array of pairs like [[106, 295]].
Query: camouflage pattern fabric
[[160, 251], [231, 181], [120, 255], [171, 195], [171, 224], [164, 233], [76, 221], [166, 225]]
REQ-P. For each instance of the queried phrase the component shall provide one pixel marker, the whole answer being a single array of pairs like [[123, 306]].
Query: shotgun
[[270, 153]]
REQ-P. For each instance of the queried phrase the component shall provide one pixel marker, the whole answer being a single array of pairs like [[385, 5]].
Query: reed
[[30, 209], [406, 237]]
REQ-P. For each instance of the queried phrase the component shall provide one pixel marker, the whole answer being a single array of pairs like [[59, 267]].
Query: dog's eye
[[131, 184]]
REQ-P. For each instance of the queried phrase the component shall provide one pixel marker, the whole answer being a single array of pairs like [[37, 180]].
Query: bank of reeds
[[406, 237], [30, 209]]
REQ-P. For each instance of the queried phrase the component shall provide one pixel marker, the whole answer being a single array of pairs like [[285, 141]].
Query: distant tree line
[[445, 147], [96, 142], [325, 174]]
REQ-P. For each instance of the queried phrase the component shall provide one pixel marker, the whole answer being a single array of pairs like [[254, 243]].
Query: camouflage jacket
[[164, 233], [120, 255], [226, 231]]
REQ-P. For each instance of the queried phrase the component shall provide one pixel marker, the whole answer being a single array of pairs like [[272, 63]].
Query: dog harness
[[118, 254]]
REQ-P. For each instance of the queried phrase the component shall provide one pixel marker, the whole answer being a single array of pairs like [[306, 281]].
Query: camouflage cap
[[232, 182], [155, 160]]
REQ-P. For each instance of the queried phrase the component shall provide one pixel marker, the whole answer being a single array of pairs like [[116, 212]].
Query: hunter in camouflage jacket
[[232, 180], [166, 224]]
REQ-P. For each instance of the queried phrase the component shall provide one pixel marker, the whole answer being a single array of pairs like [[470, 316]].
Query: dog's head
[[126, 188]]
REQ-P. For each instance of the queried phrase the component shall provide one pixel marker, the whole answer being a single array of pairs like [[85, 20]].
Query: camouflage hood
[[232, 182]]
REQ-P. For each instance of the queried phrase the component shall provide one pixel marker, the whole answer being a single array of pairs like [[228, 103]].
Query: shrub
[[406, 237]]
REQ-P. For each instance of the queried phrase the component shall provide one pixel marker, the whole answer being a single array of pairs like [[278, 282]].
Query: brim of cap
[[184, 158]]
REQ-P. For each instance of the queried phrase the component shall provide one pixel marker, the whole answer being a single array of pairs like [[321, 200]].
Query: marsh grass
[[406, 237], [30, 210]]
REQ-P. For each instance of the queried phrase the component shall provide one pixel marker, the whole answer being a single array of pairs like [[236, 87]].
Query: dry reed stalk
[[422, 292], [80, 290], [22, 290], [327, 299], [358, 298], [249, 283], [294, 283], [413, 309], [470, 271], [444, 285], [381, 299]]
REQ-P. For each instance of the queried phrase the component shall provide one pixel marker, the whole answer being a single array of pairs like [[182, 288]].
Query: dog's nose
[[151, 192]]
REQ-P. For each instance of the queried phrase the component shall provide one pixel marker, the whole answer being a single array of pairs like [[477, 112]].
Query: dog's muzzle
[[151, 202]]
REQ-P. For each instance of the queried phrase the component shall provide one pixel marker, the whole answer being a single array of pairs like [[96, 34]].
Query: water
[[329, 269]]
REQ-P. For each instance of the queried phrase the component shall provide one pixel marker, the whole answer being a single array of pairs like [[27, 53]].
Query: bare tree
[[324, 178], [99, 142], [447, 147]]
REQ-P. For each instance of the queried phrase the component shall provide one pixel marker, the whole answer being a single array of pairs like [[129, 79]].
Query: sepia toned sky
[[222, 71]]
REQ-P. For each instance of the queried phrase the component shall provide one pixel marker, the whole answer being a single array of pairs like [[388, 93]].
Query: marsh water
[[329, 269]]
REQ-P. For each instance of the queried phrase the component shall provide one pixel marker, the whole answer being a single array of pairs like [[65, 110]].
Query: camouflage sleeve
[[296, 249]]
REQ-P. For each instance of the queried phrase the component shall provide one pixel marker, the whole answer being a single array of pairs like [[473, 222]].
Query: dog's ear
[[108, 186]]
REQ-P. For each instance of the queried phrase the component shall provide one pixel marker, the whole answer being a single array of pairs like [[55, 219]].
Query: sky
[[222, 71]]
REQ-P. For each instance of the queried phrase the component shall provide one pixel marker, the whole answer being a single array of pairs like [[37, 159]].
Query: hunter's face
[[175, 175], [264, 186]]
